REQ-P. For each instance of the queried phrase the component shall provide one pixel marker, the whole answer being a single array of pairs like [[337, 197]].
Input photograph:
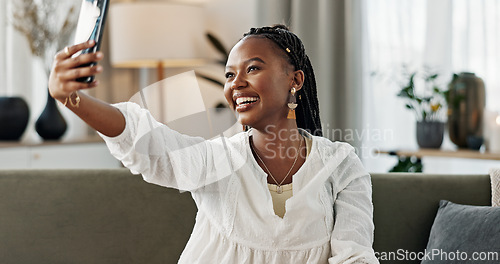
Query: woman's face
[[258, 81]]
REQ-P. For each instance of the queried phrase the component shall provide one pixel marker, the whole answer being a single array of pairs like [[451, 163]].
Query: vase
[[51, 124], [14, 117], [466, 102], [430, 134]]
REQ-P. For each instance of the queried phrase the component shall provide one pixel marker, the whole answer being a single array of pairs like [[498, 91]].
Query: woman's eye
[[228, 75], [252, 68]]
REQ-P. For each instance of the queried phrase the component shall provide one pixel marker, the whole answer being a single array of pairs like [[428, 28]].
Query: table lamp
[[156, 34], [159, 35]]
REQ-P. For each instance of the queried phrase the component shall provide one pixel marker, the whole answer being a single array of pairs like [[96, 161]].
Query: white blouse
[[328, 219]]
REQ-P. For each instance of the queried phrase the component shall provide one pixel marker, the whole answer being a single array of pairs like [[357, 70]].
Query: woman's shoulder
[[233, 144], [233, 138], [328, 148], [341, 157]]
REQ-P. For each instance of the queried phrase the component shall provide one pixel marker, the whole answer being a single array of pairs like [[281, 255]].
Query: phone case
[[90, 27]]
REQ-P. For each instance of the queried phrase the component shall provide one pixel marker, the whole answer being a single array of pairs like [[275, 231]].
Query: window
[[446, 36]]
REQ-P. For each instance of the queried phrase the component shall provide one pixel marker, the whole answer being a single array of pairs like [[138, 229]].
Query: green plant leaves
[[222, 50], [427, 106], [431, 77], [408, 164], [219, 47]]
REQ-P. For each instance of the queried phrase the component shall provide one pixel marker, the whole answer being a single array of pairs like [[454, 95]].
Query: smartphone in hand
[[90, 27]]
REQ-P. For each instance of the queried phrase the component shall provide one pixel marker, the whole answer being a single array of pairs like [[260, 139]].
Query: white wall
[[229, 19], [3, 49]]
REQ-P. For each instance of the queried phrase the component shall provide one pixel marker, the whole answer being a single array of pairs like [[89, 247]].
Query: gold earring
[[292, 104]]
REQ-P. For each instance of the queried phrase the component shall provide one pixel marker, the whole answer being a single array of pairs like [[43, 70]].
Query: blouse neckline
[[263, 174]]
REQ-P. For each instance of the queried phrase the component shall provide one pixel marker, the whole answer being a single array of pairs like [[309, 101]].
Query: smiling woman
[[277, 192], [257, 84]]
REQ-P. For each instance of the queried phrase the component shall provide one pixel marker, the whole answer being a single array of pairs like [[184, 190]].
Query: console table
[[411, 160], [460, 153], [83, 154]]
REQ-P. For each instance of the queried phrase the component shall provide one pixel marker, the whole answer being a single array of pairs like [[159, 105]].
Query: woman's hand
[[65, 71]]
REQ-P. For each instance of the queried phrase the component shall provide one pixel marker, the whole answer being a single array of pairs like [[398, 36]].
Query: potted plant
[[429, 107]]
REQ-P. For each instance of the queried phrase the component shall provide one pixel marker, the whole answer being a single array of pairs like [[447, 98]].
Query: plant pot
[[430, 134], [51, 124], [14, 117]]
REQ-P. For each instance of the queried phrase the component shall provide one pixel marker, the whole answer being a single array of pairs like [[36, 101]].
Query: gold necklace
[[279, 189]]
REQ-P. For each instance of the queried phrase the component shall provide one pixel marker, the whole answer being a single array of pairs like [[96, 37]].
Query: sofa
[[113, 216]]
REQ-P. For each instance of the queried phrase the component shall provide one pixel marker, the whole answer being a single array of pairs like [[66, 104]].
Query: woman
[[277, 192]]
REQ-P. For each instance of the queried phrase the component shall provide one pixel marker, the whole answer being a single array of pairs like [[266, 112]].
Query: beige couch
[[112, 216]]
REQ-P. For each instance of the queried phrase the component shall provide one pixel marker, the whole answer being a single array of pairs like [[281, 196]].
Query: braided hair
[[307, 111]]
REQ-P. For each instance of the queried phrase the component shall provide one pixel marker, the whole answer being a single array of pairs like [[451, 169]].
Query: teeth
[[243, 100]]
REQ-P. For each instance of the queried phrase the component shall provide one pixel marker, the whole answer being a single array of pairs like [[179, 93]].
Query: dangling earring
[[292, 104]]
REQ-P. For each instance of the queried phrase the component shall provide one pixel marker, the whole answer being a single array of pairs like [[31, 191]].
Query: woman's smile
[[244, 103]]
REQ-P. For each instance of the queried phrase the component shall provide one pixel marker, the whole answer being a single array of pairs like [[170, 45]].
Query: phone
[[90, 27]]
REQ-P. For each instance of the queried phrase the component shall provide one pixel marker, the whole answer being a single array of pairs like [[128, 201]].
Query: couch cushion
[[461, 232], [405, 205]]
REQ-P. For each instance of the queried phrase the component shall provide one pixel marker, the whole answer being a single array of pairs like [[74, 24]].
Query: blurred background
[[412, 84]]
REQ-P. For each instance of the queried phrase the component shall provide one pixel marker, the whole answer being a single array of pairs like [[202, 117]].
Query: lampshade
[[144, 34]]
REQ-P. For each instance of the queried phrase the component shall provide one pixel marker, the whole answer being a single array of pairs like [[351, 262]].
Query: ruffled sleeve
[[352, 235], [164, 156]]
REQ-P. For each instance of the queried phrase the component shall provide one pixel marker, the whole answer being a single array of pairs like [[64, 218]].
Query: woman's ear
[[298, 79]]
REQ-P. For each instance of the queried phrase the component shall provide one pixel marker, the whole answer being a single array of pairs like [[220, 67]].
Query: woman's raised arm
[[63, 86]]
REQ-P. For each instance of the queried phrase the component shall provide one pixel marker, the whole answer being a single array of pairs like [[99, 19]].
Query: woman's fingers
[[66, 69], [70, 50], [74, 73], [79, 60], [64, 59]]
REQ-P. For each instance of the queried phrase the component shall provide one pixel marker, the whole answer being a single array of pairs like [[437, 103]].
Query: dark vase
[[51, 124], [430, 134], [14, 117], [466, 102]]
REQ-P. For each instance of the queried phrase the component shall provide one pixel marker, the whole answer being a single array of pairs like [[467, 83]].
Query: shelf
[[15, 144], [81, 154], [460, 153]]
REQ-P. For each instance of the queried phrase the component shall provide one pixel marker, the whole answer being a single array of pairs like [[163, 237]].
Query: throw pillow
[[464, 234], [495, 187]]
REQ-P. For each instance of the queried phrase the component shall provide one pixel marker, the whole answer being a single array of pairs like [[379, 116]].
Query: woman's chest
[[308, 215]]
